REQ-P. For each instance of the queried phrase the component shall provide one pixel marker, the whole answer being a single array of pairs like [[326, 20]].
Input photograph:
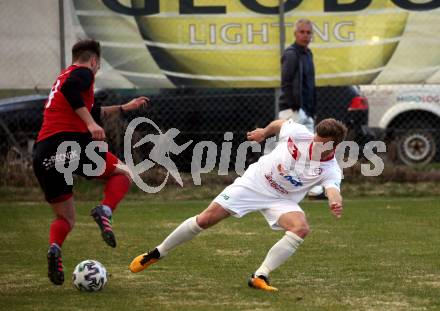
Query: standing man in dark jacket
[[298, 94]]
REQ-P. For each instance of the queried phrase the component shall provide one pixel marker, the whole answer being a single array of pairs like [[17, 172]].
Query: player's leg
[[295, 225], [117, 184], [186, 231], [59, 195], [59, 229], [193, 226]]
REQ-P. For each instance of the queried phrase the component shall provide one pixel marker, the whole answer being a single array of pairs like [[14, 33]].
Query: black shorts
[[55, 186]]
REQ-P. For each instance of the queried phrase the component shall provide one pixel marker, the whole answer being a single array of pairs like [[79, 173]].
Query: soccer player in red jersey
[[71, 116]]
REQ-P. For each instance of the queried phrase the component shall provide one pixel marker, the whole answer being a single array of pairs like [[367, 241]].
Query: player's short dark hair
[[83, 50], [332, 128]]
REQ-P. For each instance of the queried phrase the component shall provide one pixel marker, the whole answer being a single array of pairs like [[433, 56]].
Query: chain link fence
[[200, 114], [197, 114]]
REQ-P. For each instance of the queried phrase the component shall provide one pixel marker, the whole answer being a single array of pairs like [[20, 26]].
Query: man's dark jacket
[[292, 73]]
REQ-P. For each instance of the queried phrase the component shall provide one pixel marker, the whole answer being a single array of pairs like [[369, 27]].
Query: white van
[[408, 117]]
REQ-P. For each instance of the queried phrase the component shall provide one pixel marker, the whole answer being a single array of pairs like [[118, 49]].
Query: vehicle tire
[[416, 144]]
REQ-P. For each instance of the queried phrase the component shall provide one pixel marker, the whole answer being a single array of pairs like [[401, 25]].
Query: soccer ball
[[89, 276]]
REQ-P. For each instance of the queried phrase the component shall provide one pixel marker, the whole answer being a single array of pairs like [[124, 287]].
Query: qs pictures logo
[[224, 43]]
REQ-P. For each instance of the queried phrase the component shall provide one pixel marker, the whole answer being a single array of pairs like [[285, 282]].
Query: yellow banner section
[[231, 43]]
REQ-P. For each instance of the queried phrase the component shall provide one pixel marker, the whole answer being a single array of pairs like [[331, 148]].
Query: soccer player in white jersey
[[273, 186]]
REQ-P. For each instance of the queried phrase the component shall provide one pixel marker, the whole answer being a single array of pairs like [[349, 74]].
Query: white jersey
[[287, 171]]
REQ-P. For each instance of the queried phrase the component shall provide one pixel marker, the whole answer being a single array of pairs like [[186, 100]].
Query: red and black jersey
[[73, 89]]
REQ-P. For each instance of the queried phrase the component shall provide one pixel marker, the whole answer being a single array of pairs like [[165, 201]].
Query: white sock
[[186, 231], [279, 253]]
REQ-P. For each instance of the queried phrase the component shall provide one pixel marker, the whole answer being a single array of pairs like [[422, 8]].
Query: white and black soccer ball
[[89, 276]]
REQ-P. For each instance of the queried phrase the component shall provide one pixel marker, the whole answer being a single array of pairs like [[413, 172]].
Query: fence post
[[282, 45], [62, 34]]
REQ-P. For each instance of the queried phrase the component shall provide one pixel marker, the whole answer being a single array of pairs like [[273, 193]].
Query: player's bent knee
[[301, 230], [127, 172], [128, 175], [204, 221], [212, 215], [123, 169]]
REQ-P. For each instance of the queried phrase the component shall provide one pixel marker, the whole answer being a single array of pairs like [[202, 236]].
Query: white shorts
[[240, 200]]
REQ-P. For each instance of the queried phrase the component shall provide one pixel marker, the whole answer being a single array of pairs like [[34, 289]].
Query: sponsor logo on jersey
[[70, 156], [275, 185], [294, 180]]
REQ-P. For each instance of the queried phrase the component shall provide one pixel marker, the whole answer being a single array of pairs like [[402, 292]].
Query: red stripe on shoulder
[[292, 148]]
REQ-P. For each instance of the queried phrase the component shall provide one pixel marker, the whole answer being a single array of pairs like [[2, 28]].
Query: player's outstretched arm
[[260, 134], [334, 201], [134, 104]]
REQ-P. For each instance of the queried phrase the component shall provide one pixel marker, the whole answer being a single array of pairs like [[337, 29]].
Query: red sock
[[58, 231], [115, 189]]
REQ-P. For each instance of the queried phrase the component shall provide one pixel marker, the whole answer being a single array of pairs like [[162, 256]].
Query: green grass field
[[383, 254]]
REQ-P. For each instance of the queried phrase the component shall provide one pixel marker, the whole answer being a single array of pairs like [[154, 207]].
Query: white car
[[408, 118]]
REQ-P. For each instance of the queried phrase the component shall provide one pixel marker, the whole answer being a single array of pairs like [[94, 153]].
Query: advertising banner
[[223, 43]]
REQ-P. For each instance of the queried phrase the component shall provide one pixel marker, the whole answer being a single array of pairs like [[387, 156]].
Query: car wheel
[[416, 146]]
